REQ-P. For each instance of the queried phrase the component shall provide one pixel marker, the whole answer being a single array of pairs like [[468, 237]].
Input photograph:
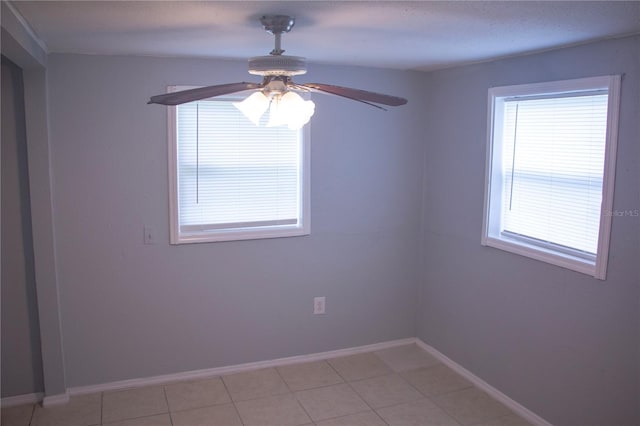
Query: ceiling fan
[[277, 91]]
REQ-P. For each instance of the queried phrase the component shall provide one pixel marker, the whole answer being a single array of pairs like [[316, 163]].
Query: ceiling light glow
[[288, 109]]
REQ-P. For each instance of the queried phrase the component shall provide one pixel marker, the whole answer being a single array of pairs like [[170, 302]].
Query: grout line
[[326, 386], [409, 383], [132, 418], [294, 393], [253, 398], [459, 390], [166, 399], [356, 392], [249, 399], [439, 364], [320, 387], [447, 411], [380, 417], [283, 380], [226, 388], [349, 384], [33, 413], [429, 397], [304, 409], [335, 369], [233, 403], [352, 381], [101, 407]]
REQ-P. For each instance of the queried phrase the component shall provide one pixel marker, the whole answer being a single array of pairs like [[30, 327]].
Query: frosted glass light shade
[[284, 110], [253, 106], [290, 110]]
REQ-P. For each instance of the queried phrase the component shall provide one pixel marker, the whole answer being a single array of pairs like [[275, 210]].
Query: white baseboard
[[218, 371], [34, 398], [29, 398], [61, 398], [516, 407]]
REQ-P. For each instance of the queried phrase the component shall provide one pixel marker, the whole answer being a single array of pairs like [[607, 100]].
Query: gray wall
[[132, 310], [21, 357], [561, 343]]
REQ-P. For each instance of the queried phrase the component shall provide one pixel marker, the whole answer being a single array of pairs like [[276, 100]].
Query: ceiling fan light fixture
[[253, 106], [285, 109], [291, 110]]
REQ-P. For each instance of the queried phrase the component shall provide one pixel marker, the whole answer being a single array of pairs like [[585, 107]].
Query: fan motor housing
[[277, 65]]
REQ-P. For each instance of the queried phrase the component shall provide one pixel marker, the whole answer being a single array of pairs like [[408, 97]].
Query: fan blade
[[184, 96], [357, 94]]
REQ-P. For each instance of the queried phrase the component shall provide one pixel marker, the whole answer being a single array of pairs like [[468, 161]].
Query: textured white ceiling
[[419, 35]]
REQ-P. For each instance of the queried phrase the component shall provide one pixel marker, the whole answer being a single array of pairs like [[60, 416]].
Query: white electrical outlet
[[319, 305]]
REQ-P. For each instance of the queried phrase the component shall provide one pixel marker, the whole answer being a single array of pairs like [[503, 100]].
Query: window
[[233, 180], [550, 171]]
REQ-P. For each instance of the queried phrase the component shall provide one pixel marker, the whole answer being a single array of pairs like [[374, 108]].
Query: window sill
[[237, 235], [542, 254]]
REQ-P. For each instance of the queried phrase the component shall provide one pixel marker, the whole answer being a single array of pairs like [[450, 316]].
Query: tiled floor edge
[[518, 408], [28, 398], [217, 371]]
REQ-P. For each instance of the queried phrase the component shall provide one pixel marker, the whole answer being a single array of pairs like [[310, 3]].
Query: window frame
[[492, 236], [303, 227]]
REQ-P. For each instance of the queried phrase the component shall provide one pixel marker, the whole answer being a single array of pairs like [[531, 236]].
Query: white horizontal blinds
[[233, 174], [553, 161]]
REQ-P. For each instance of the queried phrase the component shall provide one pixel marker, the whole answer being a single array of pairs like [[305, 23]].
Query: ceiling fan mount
[[277, 24], [276, 63]]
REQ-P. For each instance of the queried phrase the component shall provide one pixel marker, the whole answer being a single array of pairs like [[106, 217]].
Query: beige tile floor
[[395, 387]]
